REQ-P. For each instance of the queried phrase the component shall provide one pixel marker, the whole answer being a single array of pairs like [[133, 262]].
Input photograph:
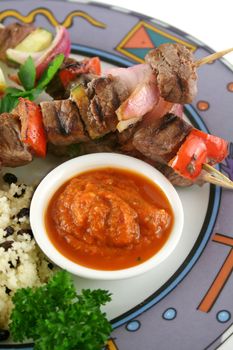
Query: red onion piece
[[60, 44]]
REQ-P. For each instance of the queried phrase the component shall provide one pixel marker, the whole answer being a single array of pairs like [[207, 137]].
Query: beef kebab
[[180, 70], [168, 76], [105, 103], [164, 144], [172, 64]]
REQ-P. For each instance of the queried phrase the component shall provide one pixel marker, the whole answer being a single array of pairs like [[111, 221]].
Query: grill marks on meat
[[161, 140], [105, 95], [13, 152], [62, 122], [11, 36], [22, 112], [175, 72], [126, 145]]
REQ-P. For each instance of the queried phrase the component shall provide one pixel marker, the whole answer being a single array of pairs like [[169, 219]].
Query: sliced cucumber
[[36, 41], [79, 96], [20, 57]]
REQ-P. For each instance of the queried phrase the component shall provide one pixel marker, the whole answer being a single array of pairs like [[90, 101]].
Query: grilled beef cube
[[176, 179], [22, 112], [125, 142], [107, 143], [127, 135], [11, 36], [13, 152], [62, 122], [175, 72], [105, 95], [161, 140], [126, 146]]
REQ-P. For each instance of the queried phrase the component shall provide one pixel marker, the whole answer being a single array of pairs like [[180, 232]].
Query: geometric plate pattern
[[144, 37]]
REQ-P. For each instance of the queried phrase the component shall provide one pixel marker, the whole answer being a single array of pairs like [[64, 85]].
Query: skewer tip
[[215, 177], [212, 57]]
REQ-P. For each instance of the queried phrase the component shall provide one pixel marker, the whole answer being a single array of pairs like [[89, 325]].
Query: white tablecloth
[[208, 20]]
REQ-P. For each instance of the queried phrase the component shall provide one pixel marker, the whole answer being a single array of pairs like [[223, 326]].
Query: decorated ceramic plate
[[186, 302]]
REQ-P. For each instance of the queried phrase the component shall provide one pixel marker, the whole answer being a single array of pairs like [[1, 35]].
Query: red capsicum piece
[[66, 76], [33, 132], [89, 65], [93, 65], [198, 148], [217, 147]]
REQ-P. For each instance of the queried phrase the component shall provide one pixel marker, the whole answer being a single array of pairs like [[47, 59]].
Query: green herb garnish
[[7, 103], [57, 318], [51, 70], [27, 76]]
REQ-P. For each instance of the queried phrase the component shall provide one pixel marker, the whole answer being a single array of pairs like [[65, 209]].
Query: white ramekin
[[71, 168]]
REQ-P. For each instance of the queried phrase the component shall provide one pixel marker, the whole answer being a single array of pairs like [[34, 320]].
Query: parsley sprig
[[27, 77], [57, 318]]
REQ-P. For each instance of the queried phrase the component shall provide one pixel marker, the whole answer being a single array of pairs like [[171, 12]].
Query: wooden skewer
[[214, 176], [212, 57]]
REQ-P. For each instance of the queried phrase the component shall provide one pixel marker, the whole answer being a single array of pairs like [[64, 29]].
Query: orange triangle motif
[[139, 40]]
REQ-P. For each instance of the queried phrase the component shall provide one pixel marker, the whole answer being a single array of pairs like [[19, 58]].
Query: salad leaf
[[7, 103], [10, 100], [13, 91], [31, 94], [50, 71], [34, 93], [56, 317], [27, 74]]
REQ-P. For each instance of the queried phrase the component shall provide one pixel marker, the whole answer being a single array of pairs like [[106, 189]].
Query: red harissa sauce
[[109, 219]]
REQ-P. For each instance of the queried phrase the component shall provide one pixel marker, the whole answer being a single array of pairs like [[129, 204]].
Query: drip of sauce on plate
[[109, 219]]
